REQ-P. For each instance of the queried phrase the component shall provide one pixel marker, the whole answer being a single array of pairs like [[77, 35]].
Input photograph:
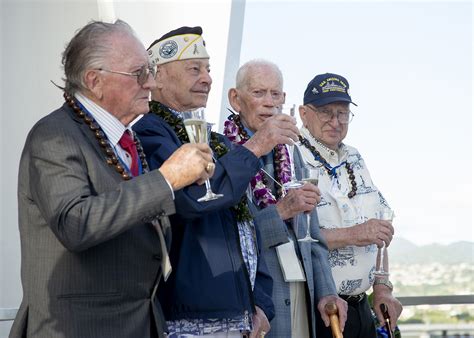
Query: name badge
[[289, 263]]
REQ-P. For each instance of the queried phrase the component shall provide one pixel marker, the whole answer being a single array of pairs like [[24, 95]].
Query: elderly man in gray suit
[[297, 293], [91, 215]]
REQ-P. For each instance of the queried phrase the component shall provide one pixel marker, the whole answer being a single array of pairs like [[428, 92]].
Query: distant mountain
[[402, 251]]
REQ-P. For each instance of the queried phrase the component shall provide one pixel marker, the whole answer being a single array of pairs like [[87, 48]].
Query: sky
[[409, 65]]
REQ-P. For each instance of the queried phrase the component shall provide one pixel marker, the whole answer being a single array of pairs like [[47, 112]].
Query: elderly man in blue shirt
[[220, 285]]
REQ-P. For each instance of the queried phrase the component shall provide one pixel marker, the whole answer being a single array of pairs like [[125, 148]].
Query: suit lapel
[[89, 135]]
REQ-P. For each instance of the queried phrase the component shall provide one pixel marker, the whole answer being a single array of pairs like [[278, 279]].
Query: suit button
[[287, 302], [157, 257]]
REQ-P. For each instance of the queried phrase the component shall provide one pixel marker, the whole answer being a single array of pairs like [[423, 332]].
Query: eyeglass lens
[[342, 117], [144, 73]]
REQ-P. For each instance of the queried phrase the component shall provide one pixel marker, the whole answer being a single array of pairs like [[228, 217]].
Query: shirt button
[[287, 302]]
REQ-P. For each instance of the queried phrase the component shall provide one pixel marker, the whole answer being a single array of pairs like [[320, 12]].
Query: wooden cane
[[331, 311]]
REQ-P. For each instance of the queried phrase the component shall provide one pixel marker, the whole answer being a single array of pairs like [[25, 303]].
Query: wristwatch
[[383, 281]]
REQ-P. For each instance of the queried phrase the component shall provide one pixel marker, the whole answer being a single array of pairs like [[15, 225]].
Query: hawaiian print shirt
[[352, 266]]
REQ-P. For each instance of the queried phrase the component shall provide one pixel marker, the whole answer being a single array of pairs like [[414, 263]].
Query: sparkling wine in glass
[[385, 214], [293, 183], [196, 128], [311, 175]]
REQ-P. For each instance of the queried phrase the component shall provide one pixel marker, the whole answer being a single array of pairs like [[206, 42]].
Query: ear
[[303, 113], [94, 83], [234, 99], [284, 98], [160, 77]]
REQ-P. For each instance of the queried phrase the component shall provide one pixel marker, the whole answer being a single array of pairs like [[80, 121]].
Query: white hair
[[242, 77]]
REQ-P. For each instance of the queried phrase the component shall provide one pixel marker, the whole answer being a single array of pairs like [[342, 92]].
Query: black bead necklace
[[327, 166], [111, 157], [240, 210], [177, 124]]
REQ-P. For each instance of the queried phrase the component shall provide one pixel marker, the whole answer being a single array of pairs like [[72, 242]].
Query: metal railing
[[7, 314], [436, 300]]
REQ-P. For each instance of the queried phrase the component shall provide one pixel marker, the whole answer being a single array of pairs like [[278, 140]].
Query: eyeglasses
[[142, 74], [325, 115]]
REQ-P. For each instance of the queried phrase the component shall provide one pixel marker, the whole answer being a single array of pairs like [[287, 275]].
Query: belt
[[353, 299]]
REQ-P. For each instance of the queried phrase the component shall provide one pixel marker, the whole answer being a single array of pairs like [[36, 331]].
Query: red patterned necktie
[[127, 144]]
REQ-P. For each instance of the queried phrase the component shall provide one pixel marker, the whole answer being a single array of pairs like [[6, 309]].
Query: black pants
[[359, 322]]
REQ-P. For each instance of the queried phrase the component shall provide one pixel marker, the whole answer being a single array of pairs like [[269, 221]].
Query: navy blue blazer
[[209, 278]]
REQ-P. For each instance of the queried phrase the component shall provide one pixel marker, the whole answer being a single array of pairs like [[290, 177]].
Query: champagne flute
[[293, 183], [385, 214], [309, 174], [196, 128]]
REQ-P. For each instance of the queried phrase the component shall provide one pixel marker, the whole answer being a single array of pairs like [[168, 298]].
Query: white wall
[[33, 36]]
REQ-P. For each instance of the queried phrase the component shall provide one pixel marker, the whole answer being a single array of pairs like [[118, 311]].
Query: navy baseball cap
[[327, 88]]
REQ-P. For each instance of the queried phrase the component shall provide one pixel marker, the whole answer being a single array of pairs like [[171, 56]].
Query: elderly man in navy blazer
[[90, 211], [221, 287]]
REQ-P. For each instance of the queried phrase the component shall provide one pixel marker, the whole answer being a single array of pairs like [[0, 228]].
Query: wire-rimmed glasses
[[326, 115], [142, 74]]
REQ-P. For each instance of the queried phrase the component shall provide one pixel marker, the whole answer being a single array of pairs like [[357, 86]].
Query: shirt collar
[[175, 112], [330, 155], [111, 126]]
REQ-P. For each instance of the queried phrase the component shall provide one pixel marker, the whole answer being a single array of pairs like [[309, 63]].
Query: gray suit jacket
[[315, 262], [90, 257]]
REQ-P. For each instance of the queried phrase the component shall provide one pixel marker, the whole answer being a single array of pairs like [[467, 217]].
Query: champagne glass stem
[[210, 195], [385, 214], [292, 164], [208, 185], [385, 260], [308, 225], [381, 258]]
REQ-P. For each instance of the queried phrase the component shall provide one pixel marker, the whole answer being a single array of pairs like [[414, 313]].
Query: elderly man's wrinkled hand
[[188, 164], [341, 305], [299, 200], [277, 129], [383, 295], [260, 323], [373, 231]]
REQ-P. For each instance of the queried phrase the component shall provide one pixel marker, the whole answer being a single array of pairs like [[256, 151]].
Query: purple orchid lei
[[235, 132]]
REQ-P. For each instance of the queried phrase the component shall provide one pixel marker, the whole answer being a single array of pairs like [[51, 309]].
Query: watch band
[[384, 281]]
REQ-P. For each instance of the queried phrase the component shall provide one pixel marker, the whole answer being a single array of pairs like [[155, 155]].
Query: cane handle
[[331, 310]]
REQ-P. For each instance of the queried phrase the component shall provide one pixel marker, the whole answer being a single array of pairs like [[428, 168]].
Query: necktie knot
[[126, 141], [128, 144]]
